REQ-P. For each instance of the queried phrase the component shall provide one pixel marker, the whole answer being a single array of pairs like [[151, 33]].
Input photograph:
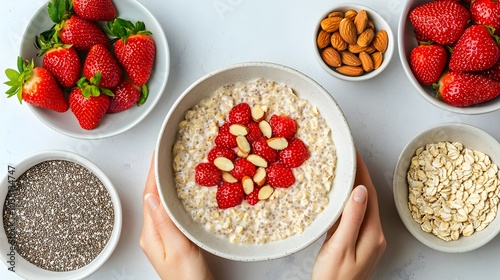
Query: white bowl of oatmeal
[[446, 187], [291, 219]]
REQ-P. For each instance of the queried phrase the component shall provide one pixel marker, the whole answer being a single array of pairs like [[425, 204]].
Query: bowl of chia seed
[[61, 217]]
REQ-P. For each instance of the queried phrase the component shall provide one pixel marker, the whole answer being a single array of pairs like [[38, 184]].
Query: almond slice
[[265, 192], [266, 129], [260, 176], [258, 114], [238, 129], [247, 183], [224, 164], [277, 143], [243, 144], [242, 154], [257, 160], [228, 177]]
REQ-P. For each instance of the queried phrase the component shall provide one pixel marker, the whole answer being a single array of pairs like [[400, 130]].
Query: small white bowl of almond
[[446, 187]]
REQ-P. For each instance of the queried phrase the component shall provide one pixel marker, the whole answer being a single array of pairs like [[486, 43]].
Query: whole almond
[[377, 58], [323, 39], [352, 71], [351, 14], [347, 31], [366, 61], [366, 38], [337, 42], [356, 49], [370, 25], [336, 14], [381, 41], [361, 20], [331, 57], [350, 59], [331, 24]]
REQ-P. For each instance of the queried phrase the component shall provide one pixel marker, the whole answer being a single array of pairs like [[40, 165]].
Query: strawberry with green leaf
[[35, 85], [89, 102], [127, 95], [100, 60], [99, 10], [135, 49]]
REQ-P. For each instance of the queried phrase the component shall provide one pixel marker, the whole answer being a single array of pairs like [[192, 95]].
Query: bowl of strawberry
[[91, 69], [450, 52]]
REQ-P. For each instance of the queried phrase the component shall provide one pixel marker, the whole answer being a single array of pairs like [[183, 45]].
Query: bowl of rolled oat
[[61, 217], [446, 187], [255, 161]]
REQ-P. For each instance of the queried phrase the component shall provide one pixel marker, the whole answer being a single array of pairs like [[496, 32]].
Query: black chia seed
[[59, 216]]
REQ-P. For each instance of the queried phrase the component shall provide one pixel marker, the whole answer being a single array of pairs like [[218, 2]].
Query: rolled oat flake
[[59, 216]]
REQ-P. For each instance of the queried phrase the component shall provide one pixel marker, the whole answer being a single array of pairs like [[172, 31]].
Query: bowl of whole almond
[[91, 69], [353, 42], [451, 54]]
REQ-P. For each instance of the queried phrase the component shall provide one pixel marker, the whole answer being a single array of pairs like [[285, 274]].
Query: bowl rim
[[400, 193], [27, 270], [388, 54], [228, 255]]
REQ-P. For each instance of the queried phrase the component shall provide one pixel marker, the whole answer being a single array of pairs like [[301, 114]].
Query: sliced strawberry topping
[[261, 148], [254, 132], [295, 154], [253, 197], [229, 195], [225, 138], [207, 174], [217, 151], [242, 168], [240, 114], [283, 126], [280, 176]]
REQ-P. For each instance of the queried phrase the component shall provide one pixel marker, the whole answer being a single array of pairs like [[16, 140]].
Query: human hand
[[354, 245], [172, 255]]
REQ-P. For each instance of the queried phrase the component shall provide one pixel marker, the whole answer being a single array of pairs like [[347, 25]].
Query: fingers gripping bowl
[[305, 88]]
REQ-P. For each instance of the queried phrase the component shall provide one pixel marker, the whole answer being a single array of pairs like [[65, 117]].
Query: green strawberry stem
[[123, 29], [46, 41], [59, 10], [91, 88], [144, 95], [18, 78]]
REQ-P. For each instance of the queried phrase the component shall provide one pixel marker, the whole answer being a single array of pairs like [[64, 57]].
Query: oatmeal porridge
[[288, 211]]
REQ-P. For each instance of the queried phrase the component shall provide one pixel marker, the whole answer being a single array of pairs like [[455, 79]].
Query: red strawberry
[[441, 21], [102, 10], [295, 154], [242, 168], [207, 174], [35, 85], [217, 151], [240, 114], [428, 62], [135, 49], [253, 197], [283, 126], [224, 138], [280, 176], [476, 50], [126, 95], [229, 195], [99, 59], [494, 72], [465, 89], [254, 132], [486, 12], [261, 148], [89, 102]]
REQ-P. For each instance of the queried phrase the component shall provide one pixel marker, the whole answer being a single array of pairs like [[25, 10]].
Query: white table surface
[[384, 113]]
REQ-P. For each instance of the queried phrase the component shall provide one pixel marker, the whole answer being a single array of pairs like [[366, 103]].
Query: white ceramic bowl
[[111, 124], [305, 88], [380, 24], [406, 42], [28, 270], [472, 138]]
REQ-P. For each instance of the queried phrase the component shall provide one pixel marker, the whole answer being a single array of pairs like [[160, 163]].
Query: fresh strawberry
[[126, 95], [135, 49], [476, 50], [61, 60], [428, 62], [89, 102], [207, 174], [486, 12], [466, 89], [261, 148], [217, 151], [253, 197], [254, 132], [441, 21], [102, 10], [240, 113], [35, 85], [280, 176], [229, 195], [224, 138], [283, 126], [494, 72], [295, 154], [99, 59], [242, 168]]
